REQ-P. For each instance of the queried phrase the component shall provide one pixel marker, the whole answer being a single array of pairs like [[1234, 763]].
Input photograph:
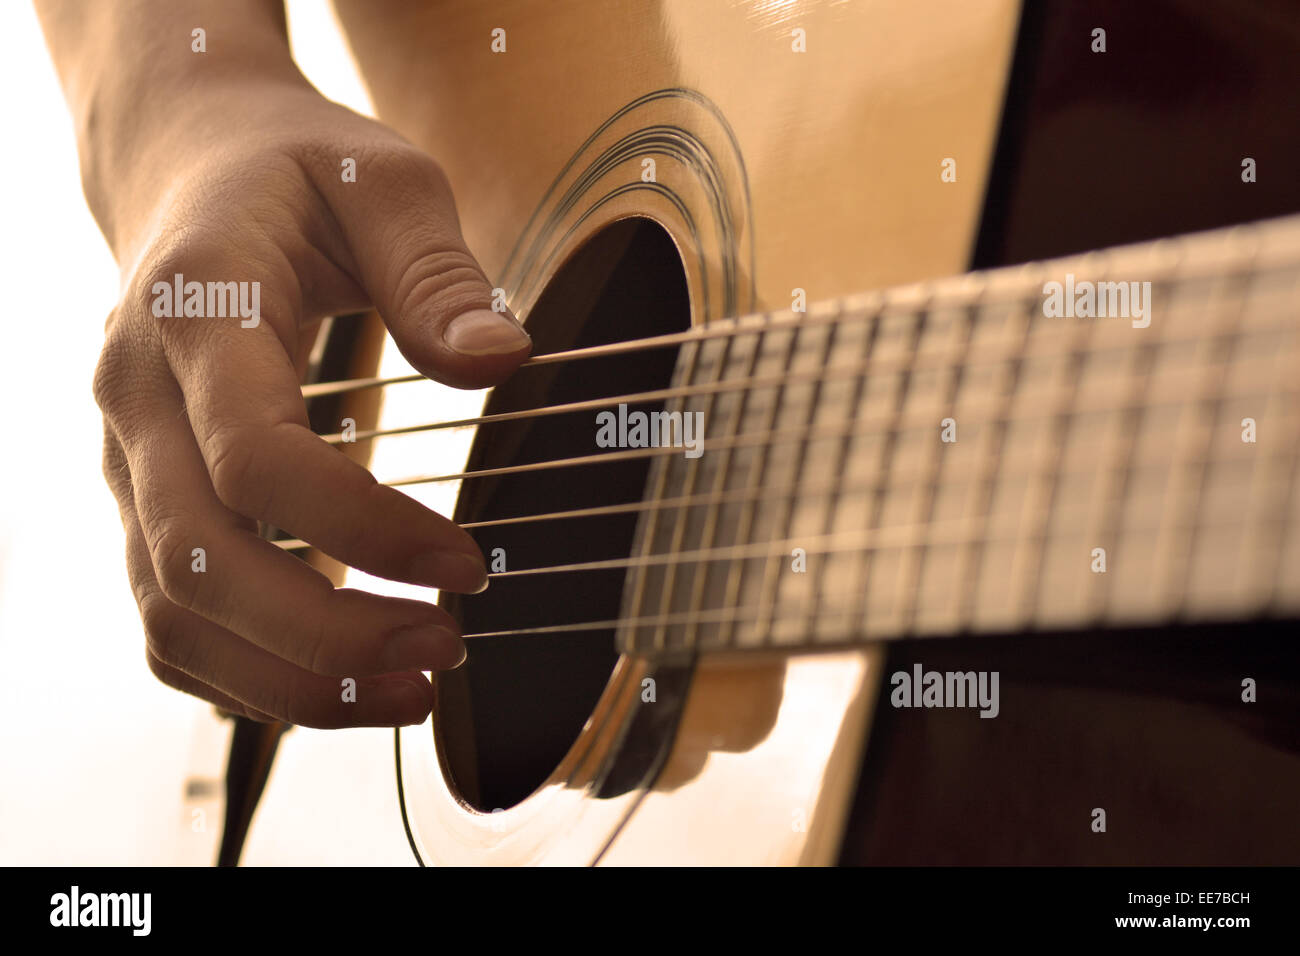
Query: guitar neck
[[1109, 439]]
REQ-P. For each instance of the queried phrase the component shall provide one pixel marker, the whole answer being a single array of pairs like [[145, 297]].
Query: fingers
[[265, 463], [198, 657], [400, 223], [183, 682], [210, 561], [230, 668]]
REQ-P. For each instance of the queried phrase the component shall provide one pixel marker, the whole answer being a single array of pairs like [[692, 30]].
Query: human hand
[[206, 431]]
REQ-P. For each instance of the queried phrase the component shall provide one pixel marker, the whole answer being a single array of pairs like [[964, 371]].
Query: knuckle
[[160, 628], [111, 372], [160, 270], [403, 163], [175, 652], [235, 474], [184, 252], [170, 550], [448, 278]]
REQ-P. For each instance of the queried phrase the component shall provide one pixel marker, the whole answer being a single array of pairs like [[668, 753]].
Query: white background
[[94, 752]]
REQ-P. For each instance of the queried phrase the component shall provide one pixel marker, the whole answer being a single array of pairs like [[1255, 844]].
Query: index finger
[[245, 407]]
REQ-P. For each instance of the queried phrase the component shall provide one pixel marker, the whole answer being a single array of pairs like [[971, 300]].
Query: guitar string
[[657, 558], [989, 354], [707, 616], [719, 328], [1078, 351], [857, 543], [728, 553], [830, 431], [956, 291], [1171, 394]]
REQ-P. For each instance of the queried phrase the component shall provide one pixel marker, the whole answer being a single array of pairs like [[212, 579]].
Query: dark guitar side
[[1144, 141]]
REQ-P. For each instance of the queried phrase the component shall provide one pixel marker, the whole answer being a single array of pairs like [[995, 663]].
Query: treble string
[[945, 533]]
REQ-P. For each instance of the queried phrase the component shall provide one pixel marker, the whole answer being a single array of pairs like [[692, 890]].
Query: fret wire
[[983, 489], [876, 505], [659, 478], [978, 358], [912, 559], [1027, 567], [720, 482], [744, 526], [666, 472], [1260, 560], [771, 569], [1260, 554], [1288, 523], [1195, 432], [1108, 501], [836, 496], [693, 469]]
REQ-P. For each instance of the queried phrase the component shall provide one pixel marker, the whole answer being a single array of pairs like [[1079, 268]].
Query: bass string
[[792, 610]]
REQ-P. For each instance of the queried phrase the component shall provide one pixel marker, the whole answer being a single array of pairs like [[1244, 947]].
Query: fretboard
[[982, 455]]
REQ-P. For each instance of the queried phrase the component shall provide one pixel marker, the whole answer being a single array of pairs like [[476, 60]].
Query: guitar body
[[629, 170], [754, 146]]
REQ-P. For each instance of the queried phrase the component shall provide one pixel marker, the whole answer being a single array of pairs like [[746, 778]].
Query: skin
[[225, 166]]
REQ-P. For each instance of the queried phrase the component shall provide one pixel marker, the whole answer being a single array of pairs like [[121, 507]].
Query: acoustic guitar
[[808, 544]]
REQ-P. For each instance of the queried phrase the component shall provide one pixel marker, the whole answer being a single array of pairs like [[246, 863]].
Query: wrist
[[138, 136]]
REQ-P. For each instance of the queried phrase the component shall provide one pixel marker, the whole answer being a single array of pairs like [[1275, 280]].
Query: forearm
[[143, 99]]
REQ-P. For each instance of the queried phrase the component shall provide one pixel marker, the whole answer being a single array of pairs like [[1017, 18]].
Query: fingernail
[[452, 570], [484, 332], [422, 647]]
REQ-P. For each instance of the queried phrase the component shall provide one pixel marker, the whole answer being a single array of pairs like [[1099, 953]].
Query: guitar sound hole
[[509, 715]]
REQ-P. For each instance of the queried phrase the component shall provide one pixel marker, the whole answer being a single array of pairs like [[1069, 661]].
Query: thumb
[[399, 220]]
